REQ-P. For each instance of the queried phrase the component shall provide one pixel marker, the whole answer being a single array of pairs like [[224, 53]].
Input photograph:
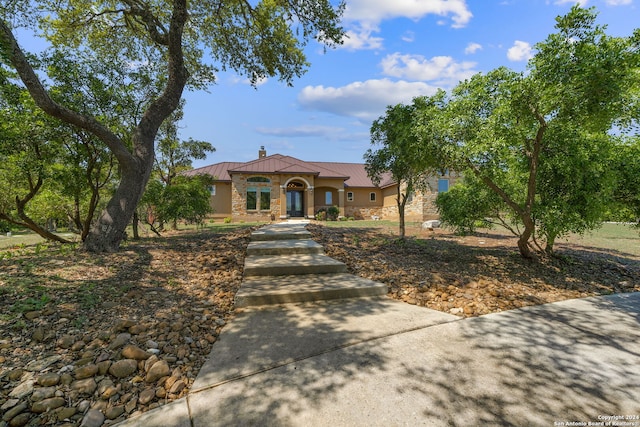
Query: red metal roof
[[354, 174], [218, 170]]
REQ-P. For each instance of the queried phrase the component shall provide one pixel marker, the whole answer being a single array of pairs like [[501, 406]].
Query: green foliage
[[321, 215], [149, 52], [187, 198], [404, 154], [467, 206], [332, 213], [227, 220], [626, 166], [540, 141]]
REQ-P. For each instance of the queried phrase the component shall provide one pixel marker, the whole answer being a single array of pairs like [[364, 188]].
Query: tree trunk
[[402, 201], [551, 239], [136, 222], [523, 241], [107, 233]]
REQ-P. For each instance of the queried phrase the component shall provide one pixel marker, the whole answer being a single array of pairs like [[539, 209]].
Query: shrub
[[227, 220], [332, 213], [321, 215]]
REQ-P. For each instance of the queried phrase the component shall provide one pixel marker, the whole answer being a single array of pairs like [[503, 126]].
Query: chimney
[[262, 153]]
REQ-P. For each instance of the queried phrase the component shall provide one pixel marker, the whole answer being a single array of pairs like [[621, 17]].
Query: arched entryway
[[295, 199]]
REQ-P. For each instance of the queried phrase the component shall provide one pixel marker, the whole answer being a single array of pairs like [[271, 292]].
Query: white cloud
[[618, 2], [246, 81], [361, 39], [365, 101], [375, 11], [472, 48], [441, 70], [300, 131], [409, 37], [520, 51]]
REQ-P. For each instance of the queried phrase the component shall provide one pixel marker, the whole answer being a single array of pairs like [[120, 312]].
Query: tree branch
[[9, 47]]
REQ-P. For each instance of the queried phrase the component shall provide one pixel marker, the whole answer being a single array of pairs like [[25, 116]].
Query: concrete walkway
[[378, 362]]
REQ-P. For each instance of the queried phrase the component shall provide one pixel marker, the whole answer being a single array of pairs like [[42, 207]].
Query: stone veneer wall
[[239, 211], [359, 212]]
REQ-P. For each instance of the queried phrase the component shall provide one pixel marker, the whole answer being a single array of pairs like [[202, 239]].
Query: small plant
[[30, 304], [227, 220], [321, 215], [87, 297], [332, 213], [80, 321]]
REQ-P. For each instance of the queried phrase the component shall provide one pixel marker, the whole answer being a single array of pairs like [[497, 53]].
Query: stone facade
[[311, 186]]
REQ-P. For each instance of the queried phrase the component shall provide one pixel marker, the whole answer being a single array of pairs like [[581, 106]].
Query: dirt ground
[[477, 274], [114, 335]]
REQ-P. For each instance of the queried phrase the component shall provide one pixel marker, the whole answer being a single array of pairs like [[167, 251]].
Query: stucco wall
[[221, 202]]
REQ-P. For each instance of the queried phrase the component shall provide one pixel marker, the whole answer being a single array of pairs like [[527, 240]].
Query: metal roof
[[354, 174]]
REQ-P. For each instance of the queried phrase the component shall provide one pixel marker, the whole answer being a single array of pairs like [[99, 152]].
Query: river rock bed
[[94, 339]]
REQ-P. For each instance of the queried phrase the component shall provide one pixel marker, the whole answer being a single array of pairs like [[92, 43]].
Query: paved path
[[380, 362]]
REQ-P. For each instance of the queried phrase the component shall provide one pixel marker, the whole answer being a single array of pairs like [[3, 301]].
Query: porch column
[[341, 201], [283, 202], [311, 206]]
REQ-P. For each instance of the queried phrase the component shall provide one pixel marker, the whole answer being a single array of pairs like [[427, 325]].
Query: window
[[443, 185], [372, 197], [212, 190], [328, 198], [258, 197], [350, 196], [258, 179], [252, 198], [265, 198]]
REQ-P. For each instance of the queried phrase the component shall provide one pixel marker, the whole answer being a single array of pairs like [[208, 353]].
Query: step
[[280, 265], [280, 233], [284, 247], [304, 288]]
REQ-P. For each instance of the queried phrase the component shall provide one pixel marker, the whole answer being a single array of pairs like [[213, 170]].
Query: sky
[[395, 50]]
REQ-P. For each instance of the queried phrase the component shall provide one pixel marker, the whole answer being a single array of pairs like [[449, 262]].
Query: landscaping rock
[[123, 368]]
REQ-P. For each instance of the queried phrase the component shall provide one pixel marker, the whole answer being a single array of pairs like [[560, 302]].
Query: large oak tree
[[178, 43]]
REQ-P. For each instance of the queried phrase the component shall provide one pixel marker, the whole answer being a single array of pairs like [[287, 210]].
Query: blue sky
[[395, 50]]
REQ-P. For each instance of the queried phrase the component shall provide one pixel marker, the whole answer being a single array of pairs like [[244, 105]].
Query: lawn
[[611, 236]]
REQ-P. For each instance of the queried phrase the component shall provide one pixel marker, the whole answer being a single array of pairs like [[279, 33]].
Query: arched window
[[258, 179]]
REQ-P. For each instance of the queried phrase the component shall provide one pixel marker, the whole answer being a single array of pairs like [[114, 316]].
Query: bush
[[227, 220], [332, 213], [321, 215]]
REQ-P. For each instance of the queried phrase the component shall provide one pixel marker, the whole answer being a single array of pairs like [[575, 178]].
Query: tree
[[174, 156], [27, 149], [187, 198], [403, 155], [626, 161], [170, 196], [525, 135], [260, 39]]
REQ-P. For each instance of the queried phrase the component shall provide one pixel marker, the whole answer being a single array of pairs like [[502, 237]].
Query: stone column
[[341, 201], [283, 202]]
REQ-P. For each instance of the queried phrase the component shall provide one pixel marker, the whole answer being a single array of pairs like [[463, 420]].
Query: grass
[[619, 237], [611, 236], [27, 238]]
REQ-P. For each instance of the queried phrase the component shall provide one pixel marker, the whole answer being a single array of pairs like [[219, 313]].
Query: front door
[[294, 203]]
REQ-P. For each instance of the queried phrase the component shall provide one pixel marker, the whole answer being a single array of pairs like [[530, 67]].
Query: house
[[278, 187]]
